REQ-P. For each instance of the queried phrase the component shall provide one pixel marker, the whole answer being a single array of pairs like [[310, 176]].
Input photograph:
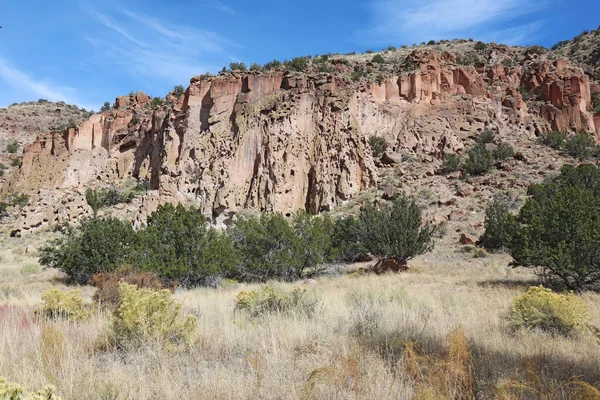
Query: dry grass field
[[441, 325]]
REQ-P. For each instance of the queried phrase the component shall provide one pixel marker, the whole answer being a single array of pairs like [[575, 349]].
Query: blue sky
[[88, 52]]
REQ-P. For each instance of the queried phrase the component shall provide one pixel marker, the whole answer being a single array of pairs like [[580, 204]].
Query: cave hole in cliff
[[207, 103], [245, 87], [292, 173], [288, 215]]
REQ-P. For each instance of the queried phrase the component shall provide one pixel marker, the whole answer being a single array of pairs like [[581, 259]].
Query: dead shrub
[[107, 284]]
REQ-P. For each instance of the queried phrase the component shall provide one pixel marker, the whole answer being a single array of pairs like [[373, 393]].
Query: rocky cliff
[[281, 140]]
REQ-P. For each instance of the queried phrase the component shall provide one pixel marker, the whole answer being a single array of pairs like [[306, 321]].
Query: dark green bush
[[580, 146], [500, 226], [452, 163], [525, 93], [346, 239], [157, 102], [480, 46], [272, 65], [99, 245], [177, 245], [255, 67], [555, 139], [297, 64], [16, 162], [315, 234], [395, 230], [378, 58], [237, 66], [503, 151], [105, 107], [12, 147], [178, 90], [20, 200], [378, 145], [98, 199], [558, 229], [479, 160], [596, 99], [3, 207], [486, 137]]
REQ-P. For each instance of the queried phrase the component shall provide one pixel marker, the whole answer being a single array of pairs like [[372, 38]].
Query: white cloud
[[150, 47], [27, 85], [415, 21]]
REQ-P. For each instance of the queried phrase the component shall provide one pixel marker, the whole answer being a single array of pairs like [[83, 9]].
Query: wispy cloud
[[35, 87], [147, 46], [224, 8], [415, 21]]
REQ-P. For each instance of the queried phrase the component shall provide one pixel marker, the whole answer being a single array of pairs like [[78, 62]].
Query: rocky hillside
[[584, 49], [295, 136], [22, 123]]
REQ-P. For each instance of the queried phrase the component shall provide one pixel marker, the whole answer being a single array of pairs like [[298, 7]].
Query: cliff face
[[283, 141]]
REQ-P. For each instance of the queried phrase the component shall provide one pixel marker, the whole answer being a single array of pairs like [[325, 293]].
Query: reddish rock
[[390, 264], [466, 239]]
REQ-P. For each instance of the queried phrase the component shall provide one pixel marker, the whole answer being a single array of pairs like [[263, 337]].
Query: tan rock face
[[282, 141]]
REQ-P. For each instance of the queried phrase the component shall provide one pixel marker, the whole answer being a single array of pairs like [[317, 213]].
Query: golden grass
[[451, 316]]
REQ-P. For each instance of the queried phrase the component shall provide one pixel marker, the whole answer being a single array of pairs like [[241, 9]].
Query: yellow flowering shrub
[[541, 308], [274, 300], [12, 391], [145, 315], [59, 304]]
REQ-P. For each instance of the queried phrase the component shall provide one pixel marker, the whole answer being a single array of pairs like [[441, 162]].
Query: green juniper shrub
[[100, 198], [525, 93], [378, 58], [12, 147], [255, 67], [479, 160], [272, 65], [503, 151], [378, 145], [19, 200], [395, 230], [178, 90], [298, 64], [558, 230], [157, 102], [237, 66], [452, 163], [500, 226], [580, 146], [346, 239], [480, 46], [178, 245], [486, 136], [315, 233], [596, 99], [105, 107], [16, 162], [3, 207], [98, 245], [268, 247], [555, 139]]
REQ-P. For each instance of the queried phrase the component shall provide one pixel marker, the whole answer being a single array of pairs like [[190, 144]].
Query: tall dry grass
[[436, 332]]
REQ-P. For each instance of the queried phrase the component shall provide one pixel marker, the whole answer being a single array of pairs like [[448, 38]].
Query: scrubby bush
[[178, 90], [105, 107], [580, 146], [144, 315], [3, 207], [59, 304], [500, 226], [346, 239], [107, 284], [177, 245], [503, 151], [297, 64], [479, 160], [157, 102], [596, 98], [19, 200], [378, 58], [525, 93], [12, 391], [555, 139], [101, 198], [237, 66], [255, 67], [395, 230], [378, 145], [315, 235], [12, 147], [16, 162], [272, 65], [98, 245], [486, 137], [452, 163], [540, 308], [559, 229], [273, 300], [480, 46]]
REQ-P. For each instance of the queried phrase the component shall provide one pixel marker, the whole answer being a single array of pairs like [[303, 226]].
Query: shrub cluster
[[273, 300], [58, 304], [176, 244], [13, 391], [479, 159], [451, 163], [12, 147], [101, 198], [378, 145], [580, 146], [555, 139], [540, 308], [144, 315], [557, 231]]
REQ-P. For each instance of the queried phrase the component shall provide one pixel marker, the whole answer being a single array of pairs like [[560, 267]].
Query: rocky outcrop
[[283, 141]]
